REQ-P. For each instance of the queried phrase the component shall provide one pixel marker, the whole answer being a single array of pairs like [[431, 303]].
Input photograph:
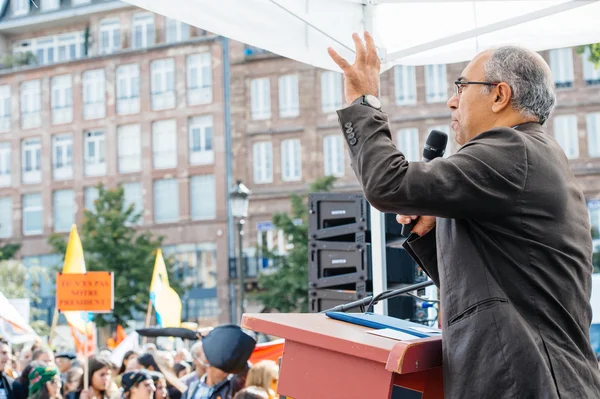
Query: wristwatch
[[369, 100]]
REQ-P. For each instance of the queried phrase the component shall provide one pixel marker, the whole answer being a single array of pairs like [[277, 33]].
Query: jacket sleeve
[[483, 179], [424, 251]]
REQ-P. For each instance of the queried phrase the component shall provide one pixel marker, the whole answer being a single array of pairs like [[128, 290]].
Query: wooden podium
[[330, 359]]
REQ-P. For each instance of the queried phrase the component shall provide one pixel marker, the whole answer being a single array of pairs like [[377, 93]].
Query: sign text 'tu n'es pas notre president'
[[87, 292]]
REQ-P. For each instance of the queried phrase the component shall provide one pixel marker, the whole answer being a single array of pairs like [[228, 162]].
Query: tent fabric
[[13, 326], [406, 32]]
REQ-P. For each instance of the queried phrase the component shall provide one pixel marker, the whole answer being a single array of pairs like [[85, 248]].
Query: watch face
[[373, 101]]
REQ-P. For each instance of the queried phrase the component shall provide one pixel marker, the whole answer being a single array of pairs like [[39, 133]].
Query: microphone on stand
[[434, 147]]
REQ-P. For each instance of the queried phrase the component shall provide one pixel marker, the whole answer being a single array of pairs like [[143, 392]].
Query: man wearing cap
[[64, 362], [226, 352]]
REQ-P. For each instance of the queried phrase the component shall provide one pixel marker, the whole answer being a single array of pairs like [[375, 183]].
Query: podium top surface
[[316, 329]]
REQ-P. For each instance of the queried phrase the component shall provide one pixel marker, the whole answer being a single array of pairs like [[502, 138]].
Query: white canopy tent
[[406, 32]]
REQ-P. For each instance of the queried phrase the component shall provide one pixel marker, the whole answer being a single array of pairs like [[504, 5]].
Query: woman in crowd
[[100, 381], [138, 385], [252, 393], [72, 380], [129, 356], [24, 377], [153, 361], [264, 374], [45, 383], [161, 385], [182, 369]]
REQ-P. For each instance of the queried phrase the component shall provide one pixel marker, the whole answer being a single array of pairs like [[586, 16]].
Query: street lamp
[[239, 198]]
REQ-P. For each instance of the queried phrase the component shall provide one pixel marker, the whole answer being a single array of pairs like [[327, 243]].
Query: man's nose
[[453, 102]]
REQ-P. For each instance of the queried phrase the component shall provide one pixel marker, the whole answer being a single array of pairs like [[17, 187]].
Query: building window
[[110, 36], [71, 46], [50, 49], [30, 161], [63, 203], [291, 163], [94, 97], [201, 139], [5, 160], [50, 5], [31, 104], [436, 83], [289, 104], [164, 144], [408, 143], [177, 31], [166, 201], [90, 195], [133, 196], [80, 2], [62, 99], [199, 79], [94, 150], [593, 134], [203, 201], [128, 89], [195, 264], [263, 162], [62, 156], [405, 84], [591, 74], [163, 83], [331, 91], [445, 129], [143, 30], [5, 105], [260, 99], [333, 155], [565, 133], [561, 64], [32, 214], [6, 216], [43, 287], [130, 148], [20, 7]]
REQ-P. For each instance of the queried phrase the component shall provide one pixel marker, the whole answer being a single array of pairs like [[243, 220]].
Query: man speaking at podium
[[503, 229]]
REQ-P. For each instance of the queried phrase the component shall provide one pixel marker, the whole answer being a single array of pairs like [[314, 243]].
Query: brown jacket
[[511, 254]]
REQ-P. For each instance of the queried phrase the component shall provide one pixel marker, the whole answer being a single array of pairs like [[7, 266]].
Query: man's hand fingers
[[372, 56], [338, 59], [361, 51]]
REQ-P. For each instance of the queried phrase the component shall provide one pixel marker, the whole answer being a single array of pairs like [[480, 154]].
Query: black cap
[[132, 378], [66, 355], [228, 348]]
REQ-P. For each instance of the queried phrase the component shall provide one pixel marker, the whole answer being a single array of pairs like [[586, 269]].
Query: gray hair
[[528, 77], [196, 349]]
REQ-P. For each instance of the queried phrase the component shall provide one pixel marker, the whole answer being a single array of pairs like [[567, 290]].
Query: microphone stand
[[370, 300]]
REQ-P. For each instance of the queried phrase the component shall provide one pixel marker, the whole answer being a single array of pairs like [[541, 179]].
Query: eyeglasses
[[460, 84]]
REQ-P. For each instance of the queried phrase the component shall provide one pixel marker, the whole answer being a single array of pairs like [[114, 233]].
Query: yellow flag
[[164, 298]]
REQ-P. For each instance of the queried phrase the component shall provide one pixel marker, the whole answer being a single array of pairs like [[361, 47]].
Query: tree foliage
[[286, 289], [18, 281], [594, 53], [8, 251], [112, 243]]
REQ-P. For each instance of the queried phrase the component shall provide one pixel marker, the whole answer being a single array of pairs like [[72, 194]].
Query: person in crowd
[[64, 362], [153, 361], [182, 369], [45, 383], [72, 379], [183, 355], [160, 382], [9, 387], [24, 359], [138, 385], [129, 356], [24, 377], [264, 374], [252, 393], [99, 377], [197, 354], [44, 355]]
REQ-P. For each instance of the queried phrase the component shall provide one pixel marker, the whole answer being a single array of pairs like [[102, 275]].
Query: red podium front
[[326, 358]]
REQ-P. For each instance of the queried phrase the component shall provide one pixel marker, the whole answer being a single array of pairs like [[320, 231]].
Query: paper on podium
[[393, 334]]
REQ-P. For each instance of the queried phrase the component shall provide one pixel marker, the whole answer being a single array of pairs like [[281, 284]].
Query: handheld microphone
[[434, 147]]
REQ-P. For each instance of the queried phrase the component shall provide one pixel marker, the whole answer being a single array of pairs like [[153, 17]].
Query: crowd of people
[[38, 373]]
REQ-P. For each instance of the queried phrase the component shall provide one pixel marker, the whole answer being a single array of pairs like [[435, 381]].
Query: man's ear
[[503, 95]]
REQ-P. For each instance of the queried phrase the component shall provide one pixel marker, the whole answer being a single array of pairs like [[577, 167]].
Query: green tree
[[594, 53], [18, 281], [8, 251], [286, 289], [112, 243]]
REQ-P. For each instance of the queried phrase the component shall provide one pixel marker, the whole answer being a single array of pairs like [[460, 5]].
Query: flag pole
[[53, 327], [86, 372], [148, 318]]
